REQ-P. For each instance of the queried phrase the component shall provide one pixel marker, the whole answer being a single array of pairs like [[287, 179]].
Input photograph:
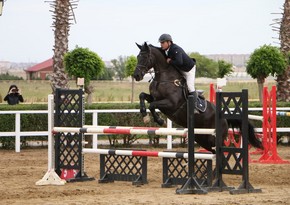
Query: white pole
[[51, 177], [169, 137], [17, 132], [95, 136], [256, 117], [50, 126]]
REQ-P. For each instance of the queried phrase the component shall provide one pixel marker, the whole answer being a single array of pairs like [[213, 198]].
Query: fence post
[[17, 132], [95, 124], [191, 186], [50, 140], [169, 137]]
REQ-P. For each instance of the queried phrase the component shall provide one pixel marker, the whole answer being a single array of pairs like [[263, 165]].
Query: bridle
[[148, 61]]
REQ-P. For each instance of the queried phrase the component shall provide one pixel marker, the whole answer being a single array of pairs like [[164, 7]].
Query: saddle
[[200, 103]]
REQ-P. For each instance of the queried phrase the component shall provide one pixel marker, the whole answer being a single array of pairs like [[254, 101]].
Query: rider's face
[[165, 45]]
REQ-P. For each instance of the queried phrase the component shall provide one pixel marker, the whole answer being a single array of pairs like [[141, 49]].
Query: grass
[[109, 91]]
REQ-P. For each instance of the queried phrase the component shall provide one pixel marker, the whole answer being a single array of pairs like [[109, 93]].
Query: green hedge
[[38, 122], [29, 122], [282, 121]]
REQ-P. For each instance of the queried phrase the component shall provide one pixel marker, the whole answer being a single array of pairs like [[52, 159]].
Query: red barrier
[[270, 154], [212, 93]]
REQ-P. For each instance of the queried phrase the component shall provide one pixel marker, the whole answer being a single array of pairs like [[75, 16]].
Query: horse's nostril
[[135, 77], [138, 78]]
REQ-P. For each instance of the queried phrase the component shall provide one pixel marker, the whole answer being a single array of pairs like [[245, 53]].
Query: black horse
[[168, 93]]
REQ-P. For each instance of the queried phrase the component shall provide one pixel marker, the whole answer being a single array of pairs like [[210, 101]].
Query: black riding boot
[[194, 93]]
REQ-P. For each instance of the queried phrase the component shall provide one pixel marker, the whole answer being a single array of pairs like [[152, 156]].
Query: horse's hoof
[[161, 122], [146, 119]]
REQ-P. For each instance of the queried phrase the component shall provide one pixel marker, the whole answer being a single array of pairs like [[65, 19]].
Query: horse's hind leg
[[142, 98], [206, 141]]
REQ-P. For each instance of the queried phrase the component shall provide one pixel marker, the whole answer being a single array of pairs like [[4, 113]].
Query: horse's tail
[[254, 141]]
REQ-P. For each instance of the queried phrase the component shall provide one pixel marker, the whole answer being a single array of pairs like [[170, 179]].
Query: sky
[[112, 27]]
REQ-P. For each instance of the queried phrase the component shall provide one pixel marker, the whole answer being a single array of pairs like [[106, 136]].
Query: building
[[40, 71], [238, 60]]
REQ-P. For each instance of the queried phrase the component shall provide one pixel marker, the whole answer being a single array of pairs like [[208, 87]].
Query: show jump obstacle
[[269, 130], [66, 150]]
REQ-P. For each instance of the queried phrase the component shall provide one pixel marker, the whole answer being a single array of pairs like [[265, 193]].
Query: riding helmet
[[165, 37]]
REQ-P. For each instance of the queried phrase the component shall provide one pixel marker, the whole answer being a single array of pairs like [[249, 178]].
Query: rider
[[179, 59]]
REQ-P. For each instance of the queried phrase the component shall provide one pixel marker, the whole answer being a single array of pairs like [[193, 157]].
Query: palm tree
[[62, 13], [283, 81]]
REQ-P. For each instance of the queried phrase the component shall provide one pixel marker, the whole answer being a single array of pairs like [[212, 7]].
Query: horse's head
[[145, 61]]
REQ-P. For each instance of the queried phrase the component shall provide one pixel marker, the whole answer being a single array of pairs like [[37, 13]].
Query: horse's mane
[[159, 49], [164, 55]]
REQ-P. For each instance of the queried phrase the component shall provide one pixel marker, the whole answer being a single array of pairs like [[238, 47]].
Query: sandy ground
[[20, 171]]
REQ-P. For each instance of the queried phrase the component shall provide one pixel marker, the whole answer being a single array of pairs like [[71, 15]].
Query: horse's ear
[[146, 46], [139, 46]]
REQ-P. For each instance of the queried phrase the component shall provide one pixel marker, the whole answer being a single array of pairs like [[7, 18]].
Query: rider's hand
[[168, 60]]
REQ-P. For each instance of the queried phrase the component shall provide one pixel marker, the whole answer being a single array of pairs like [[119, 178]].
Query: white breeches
[[190, 78]]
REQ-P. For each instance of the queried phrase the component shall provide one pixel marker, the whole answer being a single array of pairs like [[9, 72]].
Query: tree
[[264, 61], [205, 67], [119, 67], [7, 76], [107, 74], [83, 63], [130, 65], [224, 68], [62, 14], [283, 82]]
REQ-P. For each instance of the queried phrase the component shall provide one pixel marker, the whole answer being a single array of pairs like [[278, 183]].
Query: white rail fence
[[17, 133]]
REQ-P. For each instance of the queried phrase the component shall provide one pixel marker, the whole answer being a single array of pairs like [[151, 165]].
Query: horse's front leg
[[145, 115], [157, 117], [142, 98]]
